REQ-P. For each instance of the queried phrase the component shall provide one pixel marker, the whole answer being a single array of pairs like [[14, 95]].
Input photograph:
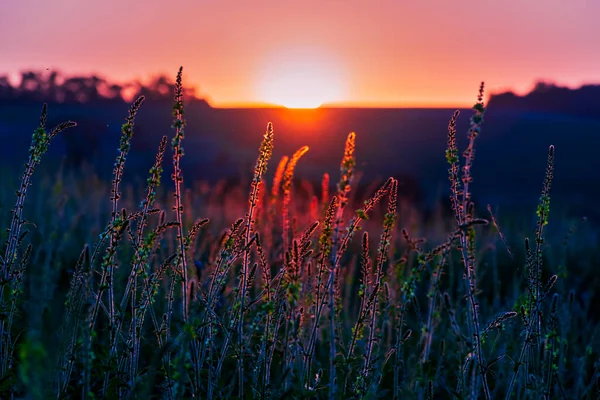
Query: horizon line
[[341, 105], [13, 80]]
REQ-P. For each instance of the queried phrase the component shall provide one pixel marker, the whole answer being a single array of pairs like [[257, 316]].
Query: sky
[[304, 53]]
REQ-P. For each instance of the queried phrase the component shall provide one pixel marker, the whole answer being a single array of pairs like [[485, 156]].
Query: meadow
[[282, 288]]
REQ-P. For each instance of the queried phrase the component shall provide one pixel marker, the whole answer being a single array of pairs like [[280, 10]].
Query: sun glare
[[301, 82]]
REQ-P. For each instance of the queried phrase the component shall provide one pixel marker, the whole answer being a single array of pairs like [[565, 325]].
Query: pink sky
[[378, 53]]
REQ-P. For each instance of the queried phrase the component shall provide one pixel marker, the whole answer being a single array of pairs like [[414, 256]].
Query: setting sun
[[301, 81]]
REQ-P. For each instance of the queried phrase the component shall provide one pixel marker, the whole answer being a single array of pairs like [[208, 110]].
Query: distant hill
[[550, 98]]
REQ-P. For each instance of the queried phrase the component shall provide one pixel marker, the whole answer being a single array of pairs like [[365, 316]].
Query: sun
[[301, 81]]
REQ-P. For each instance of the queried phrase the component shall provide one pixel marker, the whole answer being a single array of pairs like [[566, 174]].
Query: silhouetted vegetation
[[548, 97], [53, 87], [117, 291]]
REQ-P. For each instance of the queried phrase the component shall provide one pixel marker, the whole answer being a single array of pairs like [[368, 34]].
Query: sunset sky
[[371, 53]]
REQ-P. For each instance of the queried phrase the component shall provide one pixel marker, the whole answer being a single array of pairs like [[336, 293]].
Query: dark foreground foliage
[[107, 291]]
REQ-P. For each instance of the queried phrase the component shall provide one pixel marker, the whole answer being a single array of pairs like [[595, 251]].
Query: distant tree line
[[547, 97], [52, 86]]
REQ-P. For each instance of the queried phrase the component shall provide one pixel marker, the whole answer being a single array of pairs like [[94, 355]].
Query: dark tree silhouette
[[36, 86], [114, 92], [547, 97], [160, 88]]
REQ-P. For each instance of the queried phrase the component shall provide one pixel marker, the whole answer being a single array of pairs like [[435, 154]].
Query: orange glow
[[301, 54], [299, 80]]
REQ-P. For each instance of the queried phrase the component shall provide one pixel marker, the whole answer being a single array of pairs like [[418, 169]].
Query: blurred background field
[[407, 143]]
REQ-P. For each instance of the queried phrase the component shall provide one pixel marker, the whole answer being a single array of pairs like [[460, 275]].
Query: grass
[[124, 292]]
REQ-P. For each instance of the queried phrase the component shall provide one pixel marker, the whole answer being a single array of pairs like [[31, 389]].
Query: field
[[280, 287]]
